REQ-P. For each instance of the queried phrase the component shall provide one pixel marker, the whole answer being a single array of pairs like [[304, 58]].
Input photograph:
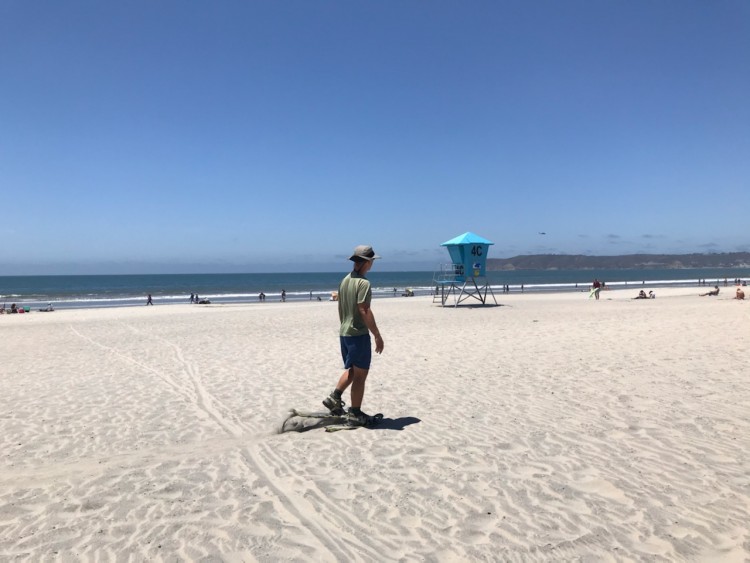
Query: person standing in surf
[[357, 322]]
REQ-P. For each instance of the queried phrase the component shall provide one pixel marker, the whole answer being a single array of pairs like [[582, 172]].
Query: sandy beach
[[550, 428]]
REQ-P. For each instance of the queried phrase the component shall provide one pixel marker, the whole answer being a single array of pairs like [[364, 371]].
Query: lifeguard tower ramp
[[465, 277]]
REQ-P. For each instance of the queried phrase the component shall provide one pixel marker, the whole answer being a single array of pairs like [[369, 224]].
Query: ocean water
[[131, 290]]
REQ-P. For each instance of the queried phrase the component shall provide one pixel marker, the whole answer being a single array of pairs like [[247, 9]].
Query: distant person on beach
[[261, 297], [711, 293], [149, 301], [641, 295], [192, 298], [357, 322], [283, 295], [740, 294], [597, 286]]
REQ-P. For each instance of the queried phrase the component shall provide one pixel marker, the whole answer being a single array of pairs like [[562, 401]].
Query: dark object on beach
[[204, 302], [301, 421]]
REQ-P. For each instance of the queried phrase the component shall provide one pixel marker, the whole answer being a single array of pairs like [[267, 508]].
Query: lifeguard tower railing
[[451, 281]]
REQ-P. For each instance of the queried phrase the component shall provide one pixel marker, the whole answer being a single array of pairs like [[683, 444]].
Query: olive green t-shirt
[[353, 290]]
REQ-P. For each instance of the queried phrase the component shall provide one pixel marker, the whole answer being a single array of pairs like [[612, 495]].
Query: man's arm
[[369, 319]]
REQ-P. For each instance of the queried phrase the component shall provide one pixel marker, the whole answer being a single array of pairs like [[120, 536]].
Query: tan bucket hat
[[364, 252]]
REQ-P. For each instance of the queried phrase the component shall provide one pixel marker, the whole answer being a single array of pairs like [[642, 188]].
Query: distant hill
[[624, 262]]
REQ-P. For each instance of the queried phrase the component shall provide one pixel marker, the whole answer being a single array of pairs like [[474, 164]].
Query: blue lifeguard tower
[[465, 276]]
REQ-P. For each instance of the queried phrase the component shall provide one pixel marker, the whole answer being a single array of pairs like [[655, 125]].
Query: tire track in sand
[[335, 535], [334, 538], [190, 388]]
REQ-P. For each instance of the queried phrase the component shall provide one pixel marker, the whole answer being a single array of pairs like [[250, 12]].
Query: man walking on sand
[[357, 322]]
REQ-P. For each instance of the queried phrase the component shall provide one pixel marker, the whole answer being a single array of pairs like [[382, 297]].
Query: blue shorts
[[356, 351]]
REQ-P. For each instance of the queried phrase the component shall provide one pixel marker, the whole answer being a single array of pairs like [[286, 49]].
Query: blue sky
[[277, 135]]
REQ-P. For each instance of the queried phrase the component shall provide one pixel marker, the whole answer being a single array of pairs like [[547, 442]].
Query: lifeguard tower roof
[[467, 238]]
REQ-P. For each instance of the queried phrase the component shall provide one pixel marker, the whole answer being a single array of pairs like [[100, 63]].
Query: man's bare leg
[[344, 381], [355, 377], [359, 376]]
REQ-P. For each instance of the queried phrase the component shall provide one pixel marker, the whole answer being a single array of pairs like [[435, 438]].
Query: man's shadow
[[395, 423]]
